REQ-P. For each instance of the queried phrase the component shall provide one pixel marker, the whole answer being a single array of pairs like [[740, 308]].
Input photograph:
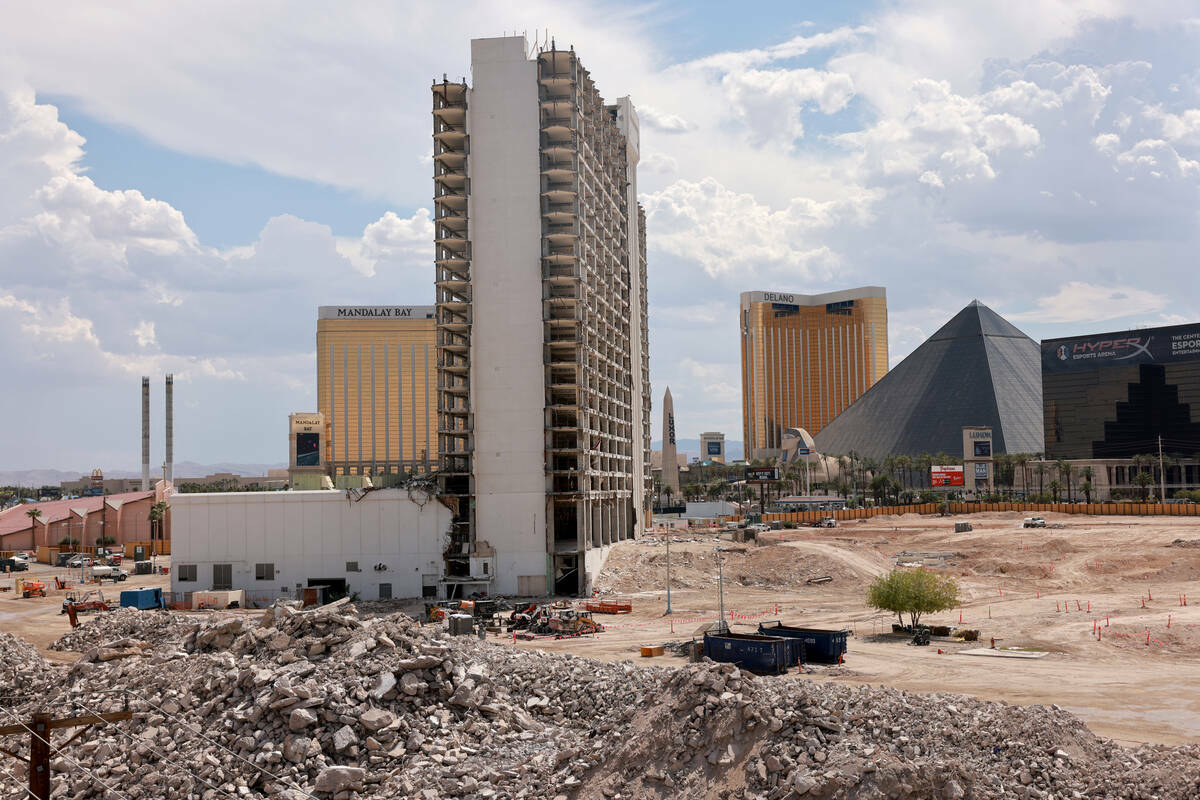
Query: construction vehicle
[[103, 572], [91, 601], [550, 621], [33, 589], [481, 609]]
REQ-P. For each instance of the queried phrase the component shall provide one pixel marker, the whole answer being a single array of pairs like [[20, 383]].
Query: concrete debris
[[105, 627], [323, 703]]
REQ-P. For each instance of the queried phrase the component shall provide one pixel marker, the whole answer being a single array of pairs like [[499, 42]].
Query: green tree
[[1087, 489], [913, 592], [1055, 488]]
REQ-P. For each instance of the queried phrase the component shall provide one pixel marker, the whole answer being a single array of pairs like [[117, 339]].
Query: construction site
[[1079, 683]]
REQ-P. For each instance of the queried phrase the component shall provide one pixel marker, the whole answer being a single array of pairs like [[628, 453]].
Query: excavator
[[91, 601]]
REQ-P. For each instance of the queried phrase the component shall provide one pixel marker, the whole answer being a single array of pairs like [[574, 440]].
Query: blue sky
[[182, 185]]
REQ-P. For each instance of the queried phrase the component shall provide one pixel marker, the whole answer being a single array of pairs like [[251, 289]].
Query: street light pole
[[721, 589], [668, 535]]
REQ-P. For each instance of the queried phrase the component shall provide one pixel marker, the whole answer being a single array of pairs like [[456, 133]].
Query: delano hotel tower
[[805, 358], [543, 369]]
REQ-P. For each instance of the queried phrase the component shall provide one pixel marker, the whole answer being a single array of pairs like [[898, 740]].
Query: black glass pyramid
[[978, 369]]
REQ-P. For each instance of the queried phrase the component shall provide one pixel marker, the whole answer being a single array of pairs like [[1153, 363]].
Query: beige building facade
[[376, 384], [806, 358]]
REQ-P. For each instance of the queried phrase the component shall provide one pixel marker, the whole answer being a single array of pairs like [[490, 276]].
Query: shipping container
[[820, 646], [765, 655]]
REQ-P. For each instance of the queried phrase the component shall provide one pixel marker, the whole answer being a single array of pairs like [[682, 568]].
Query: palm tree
[[1040, 470], [1055, 487], [1022, 461], [1143, 480], [34, 514], [904, 464], [1064, 470], [1087, 474]]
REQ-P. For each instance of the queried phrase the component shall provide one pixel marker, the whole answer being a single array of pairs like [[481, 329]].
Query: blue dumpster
[[819, 646], [142, 599], [766, 655]]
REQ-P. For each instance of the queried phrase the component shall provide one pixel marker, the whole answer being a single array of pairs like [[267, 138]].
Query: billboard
[[949, 475], [1169, 345], [982, 449], [758, 474], [714, 448], [308, 450]]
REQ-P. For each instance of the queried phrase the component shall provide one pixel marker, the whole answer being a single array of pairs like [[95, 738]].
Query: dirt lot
[[41, 621], [1036, 585]]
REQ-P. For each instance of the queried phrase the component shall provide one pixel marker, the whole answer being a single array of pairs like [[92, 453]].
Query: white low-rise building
[[378, 544]]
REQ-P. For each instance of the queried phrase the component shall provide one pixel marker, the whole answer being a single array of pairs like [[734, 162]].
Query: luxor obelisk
[[670, 463]]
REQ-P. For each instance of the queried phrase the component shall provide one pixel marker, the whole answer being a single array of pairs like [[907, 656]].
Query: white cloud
[[770, 102], [1080, 302], [1158, 159], [941, 134], [144, 334], [729, 233], [735, 61], [650, 117], [1181, 128]]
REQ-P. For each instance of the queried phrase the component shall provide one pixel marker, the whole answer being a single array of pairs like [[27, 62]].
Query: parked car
[[13, 565], [1033, 522], [22, 557], [81, 561], [63, 558]]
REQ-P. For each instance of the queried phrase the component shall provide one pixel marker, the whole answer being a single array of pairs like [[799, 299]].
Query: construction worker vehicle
[[545, 620], [484, 608], [91, 601], [33, 589]]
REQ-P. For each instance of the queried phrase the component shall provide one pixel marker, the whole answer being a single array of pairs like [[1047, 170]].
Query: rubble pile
[[24, 674], [322, 703], [108, 626], [772, 739]]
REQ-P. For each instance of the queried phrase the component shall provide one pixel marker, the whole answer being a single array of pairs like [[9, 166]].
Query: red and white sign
[[949, 475]]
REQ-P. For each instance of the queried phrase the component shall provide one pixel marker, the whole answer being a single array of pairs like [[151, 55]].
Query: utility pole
[[1162, 474], [39, 728]]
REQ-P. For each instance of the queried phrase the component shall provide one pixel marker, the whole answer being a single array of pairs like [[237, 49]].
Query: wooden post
[[39, 757], [39, 728]]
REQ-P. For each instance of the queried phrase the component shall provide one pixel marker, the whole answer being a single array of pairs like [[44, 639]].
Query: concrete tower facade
[[542, 341]]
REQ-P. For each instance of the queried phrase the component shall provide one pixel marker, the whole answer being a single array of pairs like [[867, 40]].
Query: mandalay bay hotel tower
[[806, 358]]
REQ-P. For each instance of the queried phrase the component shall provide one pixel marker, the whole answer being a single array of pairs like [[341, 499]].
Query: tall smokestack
[[145, 433], [170, 427]]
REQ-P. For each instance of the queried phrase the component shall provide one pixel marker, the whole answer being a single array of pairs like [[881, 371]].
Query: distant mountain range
[[733, 450], [183, 469], [191, 469]]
